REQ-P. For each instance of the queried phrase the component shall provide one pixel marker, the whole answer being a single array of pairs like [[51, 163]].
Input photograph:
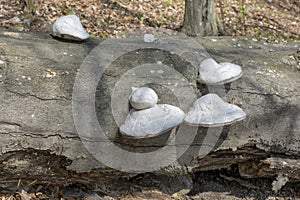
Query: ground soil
[[267, 19]]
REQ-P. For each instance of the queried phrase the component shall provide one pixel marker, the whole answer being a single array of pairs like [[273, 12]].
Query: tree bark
[[200, 18]]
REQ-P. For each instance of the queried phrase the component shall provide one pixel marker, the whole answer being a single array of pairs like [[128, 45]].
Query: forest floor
[[270, 20], [212, 185]]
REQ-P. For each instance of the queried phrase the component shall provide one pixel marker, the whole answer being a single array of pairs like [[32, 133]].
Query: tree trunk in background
[[200, 18]]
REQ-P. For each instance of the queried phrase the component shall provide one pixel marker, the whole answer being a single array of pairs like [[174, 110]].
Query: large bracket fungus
[[151, 119], [211, 111], [69, 27], [213, 73], [147, 119]]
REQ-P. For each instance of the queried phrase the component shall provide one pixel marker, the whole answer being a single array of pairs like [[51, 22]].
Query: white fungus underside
[[212, 73], [211, 111], [152, 121]]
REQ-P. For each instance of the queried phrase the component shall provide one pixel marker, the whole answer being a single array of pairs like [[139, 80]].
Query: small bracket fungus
[[149, 38], [212, 73], [152, 121], [211, 111], [69, 27], [142, 98]]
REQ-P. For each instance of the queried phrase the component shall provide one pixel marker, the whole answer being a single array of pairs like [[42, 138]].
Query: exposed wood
[[271, 167]]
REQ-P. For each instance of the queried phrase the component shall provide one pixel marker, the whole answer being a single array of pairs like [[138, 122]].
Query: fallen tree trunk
[[39, 140]]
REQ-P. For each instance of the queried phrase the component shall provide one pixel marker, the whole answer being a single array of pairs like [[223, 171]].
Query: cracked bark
[[200, 18], [36, 121], [58, 98]]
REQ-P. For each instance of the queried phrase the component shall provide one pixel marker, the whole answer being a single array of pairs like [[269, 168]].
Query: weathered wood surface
[[38, 133]]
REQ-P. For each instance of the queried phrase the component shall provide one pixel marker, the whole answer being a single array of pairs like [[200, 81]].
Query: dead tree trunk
[[39, 140]]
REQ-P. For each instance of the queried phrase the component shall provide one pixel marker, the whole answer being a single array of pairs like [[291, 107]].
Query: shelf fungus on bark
[[152, 121], [149, 38], [69, 27], [142, 98], [211, 111], [213, 73]]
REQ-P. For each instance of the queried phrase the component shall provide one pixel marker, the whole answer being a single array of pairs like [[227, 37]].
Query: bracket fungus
[[213, 73], [142, 98], [149, 119], [69, 27], [152, 121], [149, 38], [211, 111]]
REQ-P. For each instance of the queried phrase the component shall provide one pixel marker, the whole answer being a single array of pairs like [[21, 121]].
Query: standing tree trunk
[[200, 18]]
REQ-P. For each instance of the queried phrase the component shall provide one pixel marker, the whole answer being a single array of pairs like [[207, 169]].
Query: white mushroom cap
[[143, 97], [69, 27], [212, 73], [211, 111], [151, 122]]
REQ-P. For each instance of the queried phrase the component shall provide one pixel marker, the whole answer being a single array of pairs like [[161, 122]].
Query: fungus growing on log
[[211, 111], [69, 27], [213, 73], [149, 119], [152, 121], [142, 98]]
